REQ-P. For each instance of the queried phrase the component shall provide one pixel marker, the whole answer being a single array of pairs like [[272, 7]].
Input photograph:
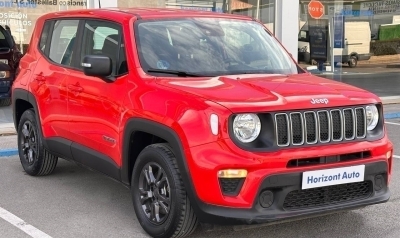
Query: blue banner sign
[[338, 31]]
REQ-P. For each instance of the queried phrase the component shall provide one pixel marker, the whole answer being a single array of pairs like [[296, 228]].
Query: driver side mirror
[[97, 65]]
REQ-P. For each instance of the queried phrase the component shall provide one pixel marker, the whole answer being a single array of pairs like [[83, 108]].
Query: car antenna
[[99, 4]]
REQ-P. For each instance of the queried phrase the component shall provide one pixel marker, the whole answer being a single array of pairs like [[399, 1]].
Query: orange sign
[[316, 9]]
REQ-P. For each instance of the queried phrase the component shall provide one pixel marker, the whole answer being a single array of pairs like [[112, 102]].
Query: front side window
[[210, 47], [105, 38]]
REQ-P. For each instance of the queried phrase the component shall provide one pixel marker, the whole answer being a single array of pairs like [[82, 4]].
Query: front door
[[94, 105]]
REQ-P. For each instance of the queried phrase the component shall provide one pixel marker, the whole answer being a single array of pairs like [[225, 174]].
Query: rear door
[[50, 75]]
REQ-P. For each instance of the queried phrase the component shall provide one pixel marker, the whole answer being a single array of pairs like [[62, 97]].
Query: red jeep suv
[[204, 116]]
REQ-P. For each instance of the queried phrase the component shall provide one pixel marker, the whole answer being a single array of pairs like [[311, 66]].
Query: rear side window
[[63, 41]]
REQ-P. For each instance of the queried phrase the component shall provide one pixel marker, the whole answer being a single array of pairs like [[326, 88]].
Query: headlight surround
[[246, 127], [4, 74], [372, 115]]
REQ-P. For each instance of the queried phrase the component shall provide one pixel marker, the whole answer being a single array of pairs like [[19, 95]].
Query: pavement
[[76, 202]]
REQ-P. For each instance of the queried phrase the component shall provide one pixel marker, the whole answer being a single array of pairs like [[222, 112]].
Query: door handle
[[75, 88], [40, 77]]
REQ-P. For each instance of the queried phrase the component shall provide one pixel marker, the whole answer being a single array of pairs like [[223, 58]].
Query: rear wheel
[[353, 62], [35, 159], [159, 197], [5, 102]]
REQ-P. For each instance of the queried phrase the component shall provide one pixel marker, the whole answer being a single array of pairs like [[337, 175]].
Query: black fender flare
[[169, 135], [27, 96]]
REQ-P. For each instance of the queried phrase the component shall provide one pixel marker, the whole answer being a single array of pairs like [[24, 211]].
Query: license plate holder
[[336, 176]]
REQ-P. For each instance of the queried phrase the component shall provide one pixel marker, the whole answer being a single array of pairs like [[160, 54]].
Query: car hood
[[244, 93]]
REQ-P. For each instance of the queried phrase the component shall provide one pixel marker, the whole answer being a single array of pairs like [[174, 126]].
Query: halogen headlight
[[372, 117], [246, 127], [4, 74]]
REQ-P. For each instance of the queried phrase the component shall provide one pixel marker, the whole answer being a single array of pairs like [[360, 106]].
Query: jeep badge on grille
[[319, 100]]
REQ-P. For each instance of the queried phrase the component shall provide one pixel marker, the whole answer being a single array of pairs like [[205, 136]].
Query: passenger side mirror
[[97, 65]]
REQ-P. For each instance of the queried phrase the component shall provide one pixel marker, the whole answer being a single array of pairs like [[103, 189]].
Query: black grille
[[231, 186], [336, 125], [361, 123], [348, 124], [298, 128], [282, 129], [323, 126], [311, 127], [329, 195]]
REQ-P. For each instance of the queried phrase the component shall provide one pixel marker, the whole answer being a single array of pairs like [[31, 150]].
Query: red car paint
[[86, 110]]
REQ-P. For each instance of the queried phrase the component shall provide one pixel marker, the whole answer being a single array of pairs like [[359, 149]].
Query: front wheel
[[353, 62], [159, 197]]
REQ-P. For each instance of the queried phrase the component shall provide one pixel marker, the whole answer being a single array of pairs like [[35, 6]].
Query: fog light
[[266, 199], [379, 182], [389, 154], [232, 173]]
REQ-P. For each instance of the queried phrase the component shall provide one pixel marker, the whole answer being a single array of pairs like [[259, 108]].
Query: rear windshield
[[210, 47]]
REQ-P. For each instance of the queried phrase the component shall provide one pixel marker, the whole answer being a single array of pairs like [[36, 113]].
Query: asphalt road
[[75, 202], [381, 83]]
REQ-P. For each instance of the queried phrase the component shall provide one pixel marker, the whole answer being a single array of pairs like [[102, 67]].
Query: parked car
[[356, 46], [204, 116], [10, 56]]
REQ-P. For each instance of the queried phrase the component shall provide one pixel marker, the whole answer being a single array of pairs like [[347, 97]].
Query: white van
[[357, 44]]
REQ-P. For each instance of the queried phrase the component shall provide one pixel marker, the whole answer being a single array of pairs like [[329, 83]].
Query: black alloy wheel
[[154, 192], [159, 197]]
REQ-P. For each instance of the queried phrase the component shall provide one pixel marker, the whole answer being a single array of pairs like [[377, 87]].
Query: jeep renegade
[[204, 116]]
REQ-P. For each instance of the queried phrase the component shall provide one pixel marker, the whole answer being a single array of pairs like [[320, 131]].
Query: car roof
[[120, 14]]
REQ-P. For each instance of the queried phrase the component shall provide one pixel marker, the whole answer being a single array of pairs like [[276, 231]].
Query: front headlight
[[246, 127], [372, 117], [4, 74]]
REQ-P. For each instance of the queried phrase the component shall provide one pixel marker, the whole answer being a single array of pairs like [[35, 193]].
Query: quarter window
[[44, 36], [63, 41]]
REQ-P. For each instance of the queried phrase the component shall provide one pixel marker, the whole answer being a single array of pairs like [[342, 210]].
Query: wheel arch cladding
[[21, 101], [169, 136]]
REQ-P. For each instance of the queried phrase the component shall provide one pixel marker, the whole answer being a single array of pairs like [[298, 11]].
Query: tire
[[179, 219], [353, 62], [5, 102], [35, 159]]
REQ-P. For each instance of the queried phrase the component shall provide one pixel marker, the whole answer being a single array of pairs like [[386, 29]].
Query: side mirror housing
[[97, 65]]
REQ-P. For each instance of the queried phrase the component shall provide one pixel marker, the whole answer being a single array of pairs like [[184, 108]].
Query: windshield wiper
[[175, 72]]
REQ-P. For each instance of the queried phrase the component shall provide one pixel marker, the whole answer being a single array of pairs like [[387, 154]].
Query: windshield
[[209, 47]]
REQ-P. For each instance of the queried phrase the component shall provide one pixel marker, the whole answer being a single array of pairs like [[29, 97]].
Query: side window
[[105, 38], [44, 36], [63, 41]]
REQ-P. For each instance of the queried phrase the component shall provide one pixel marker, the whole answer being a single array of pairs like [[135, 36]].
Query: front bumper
[[281, 186], [269, 172]]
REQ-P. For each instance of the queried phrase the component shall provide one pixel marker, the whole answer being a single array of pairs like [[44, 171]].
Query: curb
[[8, 152], [392, 115]]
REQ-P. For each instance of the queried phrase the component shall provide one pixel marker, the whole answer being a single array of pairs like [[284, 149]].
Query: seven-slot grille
[[323, 126]]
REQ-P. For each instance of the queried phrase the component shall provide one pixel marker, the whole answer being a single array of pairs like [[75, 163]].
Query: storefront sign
[[381, 7], [339, 9], [36, 3], [318, 33], [338, 36]]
